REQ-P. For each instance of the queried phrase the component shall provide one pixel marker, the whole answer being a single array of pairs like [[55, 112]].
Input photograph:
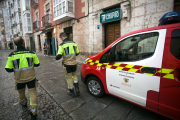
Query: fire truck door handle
[[148, 70]]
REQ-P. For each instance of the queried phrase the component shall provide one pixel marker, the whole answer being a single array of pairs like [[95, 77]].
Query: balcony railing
[[46, 20], [36, 25], [34, 4]]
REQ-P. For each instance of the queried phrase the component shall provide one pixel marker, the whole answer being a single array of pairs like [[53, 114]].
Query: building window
[[70, 6], [54, 2], [60, 9], [63, 7], [41, 23], [27, 5], [27, 22], [47, 6], [37, 17], [54, 11]]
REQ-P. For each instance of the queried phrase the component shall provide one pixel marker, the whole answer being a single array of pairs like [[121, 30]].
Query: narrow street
[[55, 104]]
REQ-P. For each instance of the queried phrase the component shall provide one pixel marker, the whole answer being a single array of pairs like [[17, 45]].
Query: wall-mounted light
[[54, 30]]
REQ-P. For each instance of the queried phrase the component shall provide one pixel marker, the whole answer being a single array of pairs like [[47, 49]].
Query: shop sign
[[110, 16]]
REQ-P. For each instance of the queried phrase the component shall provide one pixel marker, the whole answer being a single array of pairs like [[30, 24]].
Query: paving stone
[[107, 99], [139, 113], [85, 96], [72, 104], [88, 111], [116, 111]]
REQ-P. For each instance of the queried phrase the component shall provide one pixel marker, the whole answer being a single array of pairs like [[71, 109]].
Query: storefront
[[111, 20]]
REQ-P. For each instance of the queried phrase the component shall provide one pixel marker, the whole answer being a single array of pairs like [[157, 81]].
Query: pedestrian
[[47, 47], [22, 63], [69, 50]]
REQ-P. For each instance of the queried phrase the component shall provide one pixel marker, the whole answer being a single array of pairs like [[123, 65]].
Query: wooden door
[[112, 33], [176, 5]]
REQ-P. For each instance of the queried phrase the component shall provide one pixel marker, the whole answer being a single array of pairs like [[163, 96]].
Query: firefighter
[[69, 50], [22, 63]]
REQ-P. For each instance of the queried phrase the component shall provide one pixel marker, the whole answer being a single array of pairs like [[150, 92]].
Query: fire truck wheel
[[95, 87]]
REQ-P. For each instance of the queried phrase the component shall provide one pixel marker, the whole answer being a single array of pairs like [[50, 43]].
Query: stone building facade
[[83, 25], [92, 36]]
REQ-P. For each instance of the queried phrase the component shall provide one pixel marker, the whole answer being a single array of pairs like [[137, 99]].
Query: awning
[[46, 31]]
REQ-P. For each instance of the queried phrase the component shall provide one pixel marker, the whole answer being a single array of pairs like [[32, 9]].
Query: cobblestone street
[[55, 104], [10, 107]]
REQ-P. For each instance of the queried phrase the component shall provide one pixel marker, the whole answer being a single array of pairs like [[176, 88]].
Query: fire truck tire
[[95, 87]]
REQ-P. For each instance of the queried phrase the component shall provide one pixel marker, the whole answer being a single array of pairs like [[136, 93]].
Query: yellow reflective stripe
[[99, 64], [90, 60], [148, 74], [108, 66], [119, 68], [133, 70], [91, 63], [31, 102], [97, 61], [129, 66], [117, 64], [164, 70], [169, 76]]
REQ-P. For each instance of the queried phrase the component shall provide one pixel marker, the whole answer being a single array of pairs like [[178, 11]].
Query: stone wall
[[36, 39], [145, 13]]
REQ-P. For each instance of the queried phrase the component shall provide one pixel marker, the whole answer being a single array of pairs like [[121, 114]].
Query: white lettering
[[110, 15]]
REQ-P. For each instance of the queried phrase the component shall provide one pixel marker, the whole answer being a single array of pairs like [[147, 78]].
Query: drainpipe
[[56, 37]]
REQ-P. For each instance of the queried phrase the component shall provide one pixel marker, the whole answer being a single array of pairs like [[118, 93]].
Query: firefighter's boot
[[33, 117], [71, 92], [24, 103], [76, 85]]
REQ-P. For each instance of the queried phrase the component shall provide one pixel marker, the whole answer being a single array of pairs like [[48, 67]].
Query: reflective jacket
[[22, 63], [69, 50]]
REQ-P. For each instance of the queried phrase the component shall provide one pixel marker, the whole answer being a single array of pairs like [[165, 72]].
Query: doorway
[[176, 5], [69, 33], [112, 31], [50, 41], [39, 39], [32, 44]]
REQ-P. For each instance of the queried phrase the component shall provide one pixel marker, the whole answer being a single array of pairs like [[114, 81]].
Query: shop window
[[136, 47], [175, 44]]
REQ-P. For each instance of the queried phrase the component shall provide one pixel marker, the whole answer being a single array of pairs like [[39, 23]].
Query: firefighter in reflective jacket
[[22, 63], [69, 50]]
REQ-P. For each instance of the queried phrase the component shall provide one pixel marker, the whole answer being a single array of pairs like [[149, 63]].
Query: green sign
[[109, 16]]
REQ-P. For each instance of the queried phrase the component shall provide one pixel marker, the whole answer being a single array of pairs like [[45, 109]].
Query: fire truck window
[[104, 57], [136, 47], [175, 44]]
